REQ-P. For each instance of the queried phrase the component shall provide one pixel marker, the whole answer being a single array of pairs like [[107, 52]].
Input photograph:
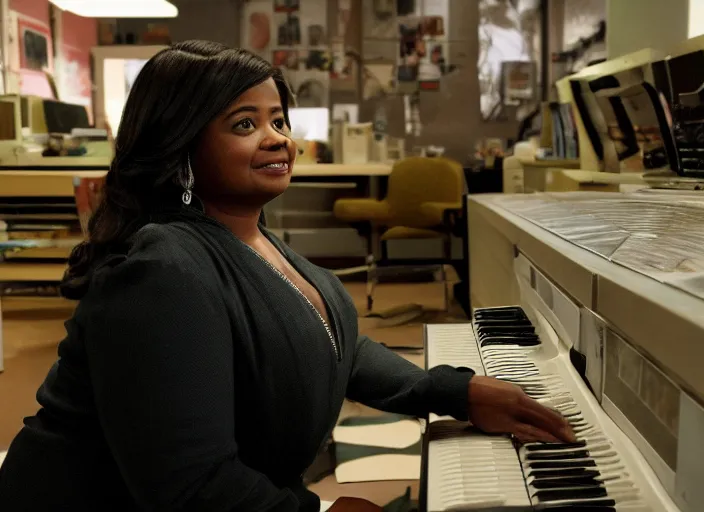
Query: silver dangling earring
[[188, 182]]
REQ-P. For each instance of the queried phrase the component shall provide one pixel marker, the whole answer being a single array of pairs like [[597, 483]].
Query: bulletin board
[[293, 35]]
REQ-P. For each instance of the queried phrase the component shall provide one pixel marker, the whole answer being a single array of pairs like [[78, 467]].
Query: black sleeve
[[159, 347], [384, 380]]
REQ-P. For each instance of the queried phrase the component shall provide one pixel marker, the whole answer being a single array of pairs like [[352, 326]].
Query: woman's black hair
[[176, 95]]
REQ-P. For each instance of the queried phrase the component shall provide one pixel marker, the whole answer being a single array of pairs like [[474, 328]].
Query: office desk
[[299, 169]]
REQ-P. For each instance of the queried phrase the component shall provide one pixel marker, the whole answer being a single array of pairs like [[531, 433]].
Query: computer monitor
[[625, 117], [681, 80], [311, 124]]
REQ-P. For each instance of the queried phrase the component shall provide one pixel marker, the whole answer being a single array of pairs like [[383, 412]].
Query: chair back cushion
[[417, 180]]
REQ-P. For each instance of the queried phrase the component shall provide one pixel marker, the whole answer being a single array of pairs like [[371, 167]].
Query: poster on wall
[[35, 46], [36, 57], [293, 36], [379, 19], [508, 31], [257, 35], [77, 85], [422, 36], [286, 5], [518, 79]]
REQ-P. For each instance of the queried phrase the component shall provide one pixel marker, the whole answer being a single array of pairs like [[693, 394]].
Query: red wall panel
[[37, 9]]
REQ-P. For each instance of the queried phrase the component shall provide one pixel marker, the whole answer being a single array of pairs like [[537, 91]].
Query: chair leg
[[446, 292], [447, 249], [371, 281]]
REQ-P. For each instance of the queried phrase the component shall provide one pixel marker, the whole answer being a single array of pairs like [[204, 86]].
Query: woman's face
[[244, 156]]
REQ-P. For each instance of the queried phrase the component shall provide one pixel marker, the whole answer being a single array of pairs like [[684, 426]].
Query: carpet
[[377, 448]]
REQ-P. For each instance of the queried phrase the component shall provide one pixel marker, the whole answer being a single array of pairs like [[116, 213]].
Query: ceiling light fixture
[[118, 8]]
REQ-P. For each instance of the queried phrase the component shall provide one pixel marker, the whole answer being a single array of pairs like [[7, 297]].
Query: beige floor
[[32, 329]]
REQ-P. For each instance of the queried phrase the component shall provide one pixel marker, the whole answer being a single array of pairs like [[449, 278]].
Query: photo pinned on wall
[[318, 60], [344, 67], [378, 80], [432, 26], [286, 5], [344, 14], [519, 82], [379, 19], [345, 113], [411, 110], [411, 50], [433, 68], [287, 59], [312, 91], [259, 31], [316, 35], [288, 30]]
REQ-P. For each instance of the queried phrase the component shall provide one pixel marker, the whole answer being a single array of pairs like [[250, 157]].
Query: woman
[[206, 363]]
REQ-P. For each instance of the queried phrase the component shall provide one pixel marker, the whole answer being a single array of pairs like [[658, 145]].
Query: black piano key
[[499, 312], [505, 341], [506, 317], [500, 324], [574, 454], [507, 330], [570, 482], [555, 446], [571, 494], [561, 464], [564, 472]]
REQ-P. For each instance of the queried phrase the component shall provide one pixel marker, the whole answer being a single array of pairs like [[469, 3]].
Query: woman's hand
[[500, 407], [354, 505]]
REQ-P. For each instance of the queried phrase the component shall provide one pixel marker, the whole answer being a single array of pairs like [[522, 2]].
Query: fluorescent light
[[118, 8]]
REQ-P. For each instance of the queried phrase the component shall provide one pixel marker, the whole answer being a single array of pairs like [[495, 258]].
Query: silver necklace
[[331, 336]]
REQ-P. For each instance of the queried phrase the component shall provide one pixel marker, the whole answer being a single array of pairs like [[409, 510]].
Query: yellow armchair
[[363, 210], [424, 200]]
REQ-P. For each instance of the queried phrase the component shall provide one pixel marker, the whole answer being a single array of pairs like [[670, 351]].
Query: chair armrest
[[362, 210], [441, 213]]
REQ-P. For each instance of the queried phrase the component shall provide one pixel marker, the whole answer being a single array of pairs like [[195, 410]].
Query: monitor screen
[[681, 79], [626, 118], [310, 124]]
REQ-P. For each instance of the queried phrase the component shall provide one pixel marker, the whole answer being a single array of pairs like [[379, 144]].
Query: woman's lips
[[276, 169]]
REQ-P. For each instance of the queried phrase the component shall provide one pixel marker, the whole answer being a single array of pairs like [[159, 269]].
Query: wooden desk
[[536, 172], [32, 272], [59, 183]]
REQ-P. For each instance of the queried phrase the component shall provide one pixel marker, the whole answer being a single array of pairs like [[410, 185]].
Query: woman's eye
[[245, 124], [280, 124]]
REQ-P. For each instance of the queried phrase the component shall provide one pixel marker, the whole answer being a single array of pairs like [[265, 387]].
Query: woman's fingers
[[526, 433], [546, 419]]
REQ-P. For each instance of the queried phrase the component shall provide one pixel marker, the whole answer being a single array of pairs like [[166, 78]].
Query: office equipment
[[589, 156], [352, 143], [115, 69], [310, 124], [680, 81], [592, 303], [626, 120]]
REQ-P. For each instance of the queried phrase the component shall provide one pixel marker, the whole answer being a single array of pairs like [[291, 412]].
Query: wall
[[79, 35], [37, 9], [34, 15], [659, 24], [450, 117], [74, 37], [214, 20]]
